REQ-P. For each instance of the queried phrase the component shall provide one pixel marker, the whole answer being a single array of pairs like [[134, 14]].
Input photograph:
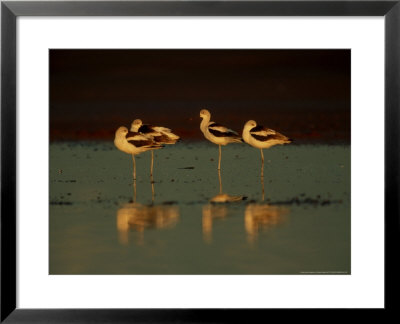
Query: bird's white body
[[262, 137], [217, 133], [133, 143]]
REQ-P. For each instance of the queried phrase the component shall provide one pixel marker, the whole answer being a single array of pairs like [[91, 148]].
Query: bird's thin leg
[[220, 181], [134, 167], [134, 178], [151, 177], [219, 160], [151, 165], [262, 164]]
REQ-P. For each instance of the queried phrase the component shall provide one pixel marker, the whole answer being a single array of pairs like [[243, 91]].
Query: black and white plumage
[[262, 137], [217, 133], [159, 134], [134, 143], [221, 132]]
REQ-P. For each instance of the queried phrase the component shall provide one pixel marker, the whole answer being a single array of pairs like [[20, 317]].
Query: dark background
[[305, 94]]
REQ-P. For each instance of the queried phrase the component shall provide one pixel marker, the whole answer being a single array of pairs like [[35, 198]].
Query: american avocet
[[262, 138], [159, 134], [217, 133], [133, 143]]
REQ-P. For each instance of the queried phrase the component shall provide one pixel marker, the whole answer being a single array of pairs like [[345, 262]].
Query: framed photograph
[[177, 160]]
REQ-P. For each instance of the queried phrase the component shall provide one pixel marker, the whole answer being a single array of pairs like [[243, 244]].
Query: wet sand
[[98, 227]]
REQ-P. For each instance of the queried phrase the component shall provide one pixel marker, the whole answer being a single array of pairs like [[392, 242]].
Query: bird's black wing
[[148, 130], [219, 130], [138, 139]]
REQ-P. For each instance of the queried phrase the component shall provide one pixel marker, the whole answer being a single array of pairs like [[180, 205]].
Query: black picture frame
[[10, 10]]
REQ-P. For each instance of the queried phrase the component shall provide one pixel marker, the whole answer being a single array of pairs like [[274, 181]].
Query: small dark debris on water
[[172, 180], [60, 203], [68, 194], [307, 201], [170, 202], [187, 168], [211, 159]]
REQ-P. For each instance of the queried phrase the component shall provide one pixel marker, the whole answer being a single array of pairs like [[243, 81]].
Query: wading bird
[[217, 133], [160, 135], [134, 143], [262, 138]]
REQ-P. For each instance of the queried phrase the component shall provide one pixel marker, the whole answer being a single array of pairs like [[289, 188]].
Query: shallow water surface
[[296, 220]]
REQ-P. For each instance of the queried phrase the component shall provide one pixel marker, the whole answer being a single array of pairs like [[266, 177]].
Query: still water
[[193, 220]]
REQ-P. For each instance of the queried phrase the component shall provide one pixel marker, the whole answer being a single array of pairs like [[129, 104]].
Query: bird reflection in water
[[139, 218], [262, 216], [216, 209], [210, 213]]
